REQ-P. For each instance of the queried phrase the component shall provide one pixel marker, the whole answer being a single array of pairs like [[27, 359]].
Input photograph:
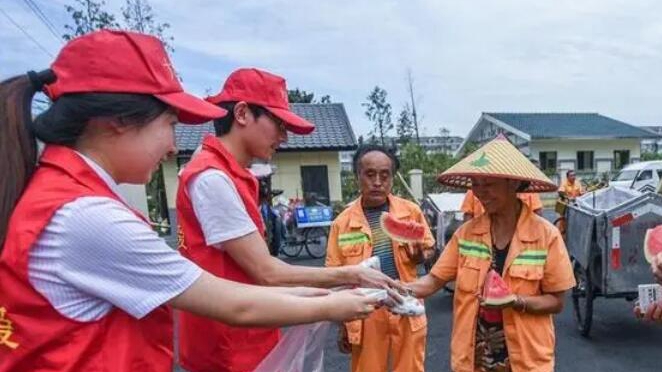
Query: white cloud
[[466, 57]]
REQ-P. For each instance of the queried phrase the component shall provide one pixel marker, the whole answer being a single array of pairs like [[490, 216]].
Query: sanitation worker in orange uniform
[[472, 208], [522, 247], [356, 235]]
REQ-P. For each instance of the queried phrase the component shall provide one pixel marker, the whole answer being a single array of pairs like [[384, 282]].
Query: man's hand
[[653, 313], [418, 253]]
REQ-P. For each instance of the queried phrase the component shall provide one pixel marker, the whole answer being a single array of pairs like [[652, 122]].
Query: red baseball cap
[[110, 61], [263, 89]]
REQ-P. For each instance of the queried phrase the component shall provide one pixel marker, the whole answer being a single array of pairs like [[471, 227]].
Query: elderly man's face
[[375, 178], [494, 193], [572, 177]]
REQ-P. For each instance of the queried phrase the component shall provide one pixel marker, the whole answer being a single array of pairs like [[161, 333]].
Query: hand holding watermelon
[[416, 252], [653, 313], [496, 294]]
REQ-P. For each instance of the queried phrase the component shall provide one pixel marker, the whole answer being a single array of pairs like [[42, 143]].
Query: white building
[[588, 143]]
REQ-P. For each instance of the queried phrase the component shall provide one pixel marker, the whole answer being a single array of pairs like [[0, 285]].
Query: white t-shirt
[[96, 254], [219, 208]]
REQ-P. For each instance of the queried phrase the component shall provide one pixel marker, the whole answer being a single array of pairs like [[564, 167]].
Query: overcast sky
[[466, 57]]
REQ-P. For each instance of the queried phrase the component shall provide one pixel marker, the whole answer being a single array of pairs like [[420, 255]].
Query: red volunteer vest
[[206, 345], [33, 335]]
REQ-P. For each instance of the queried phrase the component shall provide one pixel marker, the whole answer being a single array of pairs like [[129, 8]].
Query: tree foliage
[[378, 111], [647, 156], [297, 95], [405, 126], [139, 16], [88, 16]]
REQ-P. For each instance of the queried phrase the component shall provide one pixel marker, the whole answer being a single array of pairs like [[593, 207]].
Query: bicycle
[[304, 228]]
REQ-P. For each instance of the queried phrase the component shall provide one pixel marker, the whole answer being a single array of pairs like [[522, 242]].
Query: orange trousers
[[388, 335]]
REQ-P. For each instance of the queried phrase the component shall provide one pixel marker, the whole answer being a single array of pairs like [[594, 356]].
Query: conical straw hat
[[497, 158]]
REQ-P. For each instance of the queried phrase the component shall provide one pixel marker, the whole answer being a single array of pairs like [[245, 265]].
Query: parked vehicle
[[644, 176]]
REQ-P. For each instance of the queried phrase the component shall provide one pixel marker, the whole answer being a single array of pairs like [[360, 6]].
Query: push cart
[[605, 236]]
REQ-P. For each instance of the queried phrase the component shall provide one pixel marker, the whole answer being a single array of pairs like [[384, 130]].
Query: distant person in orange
[[472, 207], [571, 187]]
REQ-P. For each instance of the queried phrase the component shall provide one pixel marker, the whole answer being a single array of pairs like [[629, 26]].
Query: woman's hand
[[424, 286], [306, 291], [515, 302], [349, 305]]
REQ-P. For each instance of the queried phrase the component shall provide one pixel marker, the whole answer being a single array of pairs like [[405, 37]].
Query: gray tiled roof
[[570, 125], [332, 130]]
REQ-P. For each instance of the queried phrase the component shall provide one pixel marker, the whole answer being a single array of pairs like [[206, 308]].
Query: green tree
[[139, 16], [378, 111], [299, 96], [413, 156], [647, 156], [88, 16], [405, 125]]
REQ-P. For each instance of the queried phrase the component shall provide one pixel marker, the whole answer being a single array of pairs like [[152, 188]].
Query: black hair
[[523, 186], [222, 126], [365, 149], [567, 173], [62, 124]]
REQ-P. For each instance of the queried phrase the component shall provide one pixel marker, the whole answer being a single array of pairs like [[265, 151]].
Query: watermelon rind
[[496, 301], [500, 301], [393, 236]]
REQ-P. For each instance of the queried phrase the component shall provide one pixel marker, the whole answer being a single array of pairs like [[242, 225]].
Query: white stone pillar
[[416, 183]]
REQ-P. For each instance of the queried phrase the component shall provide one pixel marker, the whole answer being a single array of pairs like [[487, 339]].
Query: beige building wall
[[170, 181], [603, 150], [287, 177], [288, 172]]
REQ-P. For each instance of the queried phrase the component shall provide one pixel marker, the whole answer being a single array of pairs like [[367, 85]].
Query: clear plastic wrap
[[301, 349], [607, 198]]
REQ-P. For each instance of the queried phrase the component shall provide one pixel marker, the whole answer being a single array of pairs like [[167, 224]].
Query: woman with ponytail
[[85, 284]]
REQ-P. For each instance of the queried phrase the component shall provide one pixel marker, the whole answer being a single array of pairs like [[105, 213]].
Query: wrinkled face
[[139, 149], [495, 194], [375, 178], [264, 133], [572, 177]]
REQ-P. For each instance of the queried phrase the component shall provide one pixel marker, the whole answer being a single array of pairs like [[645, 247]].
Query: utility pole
[[410, 81]]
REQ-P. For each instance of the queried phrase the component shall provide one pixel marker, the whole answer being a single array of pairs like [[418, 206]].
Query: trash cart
[[605, 237]]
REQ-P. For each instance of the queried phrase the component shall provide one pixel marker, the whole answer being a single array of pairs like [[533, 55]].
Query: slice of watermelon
[[402, 231], [653, 243], [495, 290]]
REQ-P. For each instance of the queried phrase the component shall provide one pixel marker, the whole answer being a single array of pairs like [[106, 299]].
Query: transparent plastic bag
[[300, 349]]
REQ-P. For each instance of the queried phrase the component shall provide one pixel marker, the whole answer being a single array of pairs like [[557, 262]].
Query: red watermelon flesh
[[402, 231], [653, 243], [495, 290]]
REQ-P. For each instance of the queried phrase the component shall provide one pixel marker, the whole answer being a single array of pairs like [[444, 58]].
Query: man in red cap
[[223, 232]]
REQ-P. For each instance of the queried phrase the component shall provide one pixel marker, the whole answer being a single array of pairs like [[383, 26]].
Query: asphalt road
[[618, 341]]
